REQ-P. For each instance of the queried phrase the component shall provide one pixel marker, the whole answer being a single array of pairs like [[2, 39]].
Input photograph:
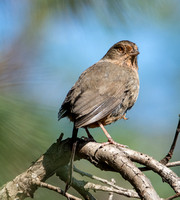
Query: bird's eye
[[121, 49]]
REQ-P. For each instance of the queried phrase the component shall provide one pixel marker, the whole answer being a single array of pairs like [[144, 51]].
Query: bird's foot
[[88, 139], [68, 185], [111, 141], [124, 117]]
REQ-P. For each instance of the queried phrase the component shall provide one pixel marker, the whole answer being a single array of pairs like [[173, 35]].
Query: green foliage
[[24, 133]]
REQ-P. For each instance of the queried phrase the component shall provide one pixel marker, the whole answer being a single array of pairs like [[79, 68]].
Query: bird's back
[[105, 90]]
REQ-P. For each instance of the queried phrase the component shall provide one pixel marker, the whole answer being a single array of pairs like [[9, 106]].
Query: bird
[[105, 91]]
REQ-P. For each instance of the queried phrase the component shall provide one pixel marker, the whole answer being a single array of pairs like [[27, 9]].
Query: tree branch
[[166, 159], [56, 189], [79, 186], [118, 161], [23, 185], [169, 155], [122, 191], [173, 164], [173, 197], [167, 174], [108, 157]]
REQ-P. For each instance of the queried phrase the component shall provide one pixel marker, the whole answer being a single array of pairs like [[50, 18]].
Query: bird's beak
[[135, 53]]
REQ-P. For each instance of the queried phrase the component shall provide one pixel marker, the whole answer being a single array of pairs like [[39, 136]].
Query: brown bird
[[105, 91]]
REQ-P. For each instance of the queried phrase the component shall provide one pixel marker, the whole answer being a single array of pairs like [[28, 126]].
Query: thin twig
[[56, 189], [78, 185], [97, 187], [170, 164], [126, 192], [166, 159], [111, 193], [173, 197], [173, 164]]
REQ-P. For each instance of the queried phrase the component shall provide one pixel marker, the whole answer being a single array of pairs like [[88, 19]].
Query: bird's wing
[[96, 107], [103, 93]]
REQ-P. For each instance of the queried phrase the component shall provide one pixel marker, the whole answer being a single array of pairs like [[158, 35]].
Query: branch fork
[[108, 158]]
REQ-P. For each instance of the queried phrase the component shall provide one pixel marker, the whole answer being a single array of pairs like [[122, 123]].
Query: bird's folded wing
[[94, 106]]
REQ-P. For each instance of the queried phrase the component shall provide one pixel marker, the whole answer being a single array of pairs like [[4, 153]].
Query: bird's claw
[[111, 141], [123, 117], [88, 139]]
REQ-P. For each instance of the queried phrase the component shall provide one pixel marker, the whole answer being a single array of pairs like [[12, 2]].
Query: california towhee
[[105, 91]]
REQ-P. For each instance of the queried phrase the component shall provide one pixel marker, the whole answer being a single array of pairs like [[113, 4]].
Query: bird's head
[[123, 52]]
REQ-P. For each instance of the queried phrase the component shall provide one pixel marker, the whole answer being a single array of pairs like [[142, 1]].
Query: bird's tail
[[74, 144], [74, 134]]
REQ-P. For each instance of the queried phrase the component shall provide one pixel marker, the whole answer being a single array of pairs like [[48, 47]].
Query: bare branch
[[170, 164], [79, 186], [173, 164], [167, 174], [123, 191], [166, 159], [117, 159], [97, 187], [173, 197], [56, 189], [111, 194], [108, 157], [22, 186], [83, 187]]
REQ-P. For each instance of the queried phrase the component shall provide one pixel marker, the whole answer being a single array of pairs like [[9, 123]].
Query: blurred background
[[45, 45]]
